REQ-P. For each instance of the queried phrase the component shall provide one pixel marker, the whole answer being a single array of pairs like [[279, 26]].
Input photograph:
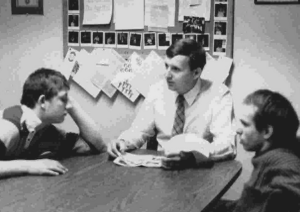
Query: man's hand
[[116, 147], [181, 160], [45, 167]]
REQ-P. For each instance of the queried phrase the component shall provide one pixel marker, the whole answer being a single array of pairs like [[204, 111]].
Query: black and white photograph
[[219, 47], [163, 40], [73, 6], [220, 29], [122, 41], [85, 38], [176, 36], [109, 39], [221, 1], [73, 21], [73, 38], [135, 40], [220, 11], [204, 40], [193, 24], [149, 40], [192, 36], [98, 39]]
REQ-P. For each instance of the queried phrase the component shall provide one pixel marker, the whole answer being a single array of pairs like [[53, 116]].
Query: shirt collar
[[30, 119], [193, 93]]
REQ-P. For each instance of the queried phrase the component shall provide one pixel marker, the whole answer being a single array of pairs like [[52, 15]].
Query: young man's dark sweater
[[274, 185]]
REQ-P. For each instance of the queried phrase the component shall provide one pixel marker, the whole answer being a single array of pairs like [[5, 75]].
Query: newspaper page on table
[[133, 160]]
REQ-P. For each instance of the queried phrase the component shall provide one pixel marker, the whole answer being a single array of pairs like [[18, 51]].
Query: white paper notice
[[151, 71], [160, 13], [97, 12], [199, 10], [129, 14], [217, 70], [84, 77], [70, 66]]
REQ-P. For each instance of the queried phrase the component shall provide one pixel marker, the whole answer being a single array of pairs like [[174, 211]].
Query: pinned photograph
[[219, 47], [109, 39], [190, 36], [135, 40], [85, 38], [220, 11], [203, 39], [122, 41], [73, 21], [73, 38], [220, 29], [193, 24], [98, 39], [163, 40], [149, 40], [176, 36], [73, 6]]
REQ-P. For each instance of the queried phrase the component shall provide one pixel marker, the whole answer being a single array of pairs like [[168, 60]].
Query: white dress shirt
[[208, 114]]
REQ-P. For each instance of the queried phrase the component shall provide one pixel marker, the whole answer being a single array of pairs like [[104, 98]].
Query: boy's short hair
[[43, 81], [190, 48], [274, 109]]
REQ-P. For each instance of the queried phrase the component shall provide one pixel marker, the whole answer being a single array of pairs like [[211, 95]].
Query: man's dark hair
[[43, 81], [273, 109], [190, 48]]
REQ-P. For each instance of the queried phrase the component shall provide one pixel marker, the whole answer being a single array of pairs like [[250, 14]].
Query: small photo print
[[203, 39], [219, 47], [135, 40], [190, 36], [193, 24], [175, 37], [110, 39], [98, 39], [73, 6], [73, 38], [122, 41], [73, 22], [85, 38], [163, 40], [220, 29], [149, 40], [221, 11]]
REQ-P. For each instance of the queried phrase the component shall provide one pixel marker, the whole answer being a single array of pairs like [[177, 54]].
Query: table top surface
[[95, 183]]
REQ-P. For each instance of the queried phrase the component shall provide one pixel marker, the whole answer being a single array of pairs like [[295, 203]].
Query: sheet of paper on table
[[186, 142], [133, 160]]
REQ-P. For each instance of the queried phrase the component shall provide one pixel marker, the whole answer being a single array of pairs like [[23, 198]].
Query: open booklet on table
[[182, 142]]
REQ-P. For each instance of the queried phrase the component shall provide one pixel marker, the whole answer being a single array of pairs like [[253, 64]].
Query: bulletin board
[[210, 29]]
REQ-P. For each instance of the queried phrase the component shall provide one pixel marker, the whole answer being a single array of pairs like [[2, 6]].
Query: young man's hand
[[116, 147], [181, 160], [45, 167]]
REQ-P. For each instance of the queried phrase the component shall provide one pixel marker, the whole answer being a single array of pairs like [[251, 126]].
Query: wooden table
[[96, 184]]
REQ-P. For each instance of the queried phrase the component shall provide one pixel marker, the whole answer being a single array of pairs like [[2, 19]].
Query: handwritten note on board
[[97, 12]]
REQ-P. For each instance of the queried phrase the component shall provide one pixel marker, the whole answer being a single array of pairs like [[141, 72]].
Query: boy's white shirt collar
[[31, 120]]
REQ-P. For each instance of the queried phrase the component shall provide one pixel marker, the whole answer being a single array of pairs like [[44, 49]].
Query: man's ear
[[41, 101], [268, 132], [197, 72]]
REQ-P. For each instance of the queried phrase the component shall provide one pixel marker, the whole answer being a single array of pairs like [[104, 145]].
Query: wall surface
[[266, 55]]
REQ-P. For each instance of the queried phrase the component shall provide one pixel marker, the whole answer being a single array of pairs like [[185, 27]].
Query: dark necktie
[[179, 116]]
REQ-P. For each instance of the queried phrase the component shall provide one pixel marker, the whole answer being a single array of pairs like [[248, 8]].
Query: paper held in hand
[[132, 160], [187, 142]]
